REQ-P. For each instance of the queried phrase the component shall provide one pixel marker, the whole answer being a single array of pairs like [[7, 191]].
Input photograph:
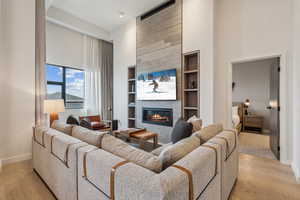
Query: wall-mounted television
[[160, 85]]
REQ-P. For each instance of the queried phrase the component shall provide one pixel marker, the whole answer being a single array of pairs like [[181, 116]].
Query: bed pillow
[[181, 130], [196, 122]]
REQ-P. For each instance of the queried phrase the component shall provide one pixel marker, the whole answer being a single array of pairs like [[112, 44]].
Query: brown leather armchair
[[94, 122]]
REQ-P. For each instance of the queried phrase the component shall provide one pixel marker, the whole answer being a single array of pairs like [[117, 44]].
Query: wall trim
[[14, 159], [296, 171]]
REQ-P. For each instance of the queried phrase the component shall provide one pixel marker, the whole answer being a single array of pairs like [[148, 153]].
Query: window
[[65, 83]]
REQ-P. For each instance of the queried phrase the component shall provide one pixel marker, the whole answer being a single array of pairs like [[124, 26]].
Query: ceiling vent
[[158, 9]]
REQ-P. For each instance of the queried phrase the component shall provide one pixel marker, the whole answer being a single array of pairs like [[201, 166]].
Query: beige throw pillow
[[196, 122], [175, 152], [132, 154], [62, 127], [209, 132]]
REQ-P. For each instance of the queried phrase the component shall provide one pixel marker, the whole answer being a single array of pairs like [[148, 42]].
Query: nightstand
[[253, 123]]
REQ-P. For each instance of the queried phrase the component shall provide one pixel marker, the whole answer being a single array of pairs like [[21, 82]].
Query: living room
[[152, 67]]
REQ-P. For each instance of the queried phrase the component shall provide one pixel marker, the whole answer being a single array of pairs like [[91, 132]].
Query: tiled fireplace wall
[[159, 47]]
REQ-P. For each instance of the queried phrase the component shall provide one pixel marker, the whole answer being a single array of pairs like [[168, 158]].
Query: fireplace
[[158, 116]]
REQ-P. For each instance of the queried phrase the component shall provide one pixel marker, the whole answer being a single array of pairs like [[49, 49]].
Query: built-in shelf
[[131, 96], [191, 108], [191, 71], [191, 83], [191, 90]]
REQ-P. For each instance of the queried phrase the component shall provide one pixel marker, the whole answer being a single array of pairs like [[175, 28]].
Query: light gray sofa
[[73, 169]]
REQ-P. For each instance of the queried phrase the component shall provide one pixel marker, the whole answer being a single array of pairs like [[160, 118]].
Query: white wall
[[296, 91], [124, 39], [198, 19], [17, 98], [252, 29], [252, 81]]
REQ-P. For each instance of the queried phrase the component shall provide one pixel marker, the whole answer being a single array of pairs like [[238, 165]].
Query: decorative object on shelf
[[53, 107], [247, 104]]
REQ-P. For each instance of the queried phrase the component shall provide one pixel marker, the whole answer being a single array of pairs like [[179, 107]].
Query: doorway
[[255, 106]]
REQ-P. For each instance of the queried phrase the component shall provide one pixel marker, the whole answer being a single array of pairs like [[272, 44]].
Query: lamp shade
[[54, 106]]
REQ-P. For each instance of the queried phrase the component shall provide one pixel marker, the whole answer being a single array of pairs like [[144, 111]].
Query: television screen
[[157, 85]]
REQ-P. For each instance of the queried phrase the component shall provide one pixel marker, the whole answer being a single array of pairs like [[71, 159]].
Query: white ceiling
[[106, 13]]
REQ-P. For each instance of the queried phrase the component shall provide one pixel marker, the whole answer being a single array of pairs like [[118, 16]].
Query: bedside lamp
[[247, 104], [53, 107]]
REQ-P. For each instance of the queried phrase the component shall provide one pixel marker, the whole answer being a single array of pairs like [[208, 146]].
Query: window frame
[[64, 83]]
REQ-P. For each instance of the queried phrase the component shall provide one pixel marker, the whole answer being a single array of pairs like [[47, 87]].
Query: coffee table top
[[145, 135]]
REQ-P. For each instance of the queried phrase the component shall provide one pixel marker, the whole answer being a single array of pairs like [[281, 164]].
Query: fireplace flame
[[158, 117]]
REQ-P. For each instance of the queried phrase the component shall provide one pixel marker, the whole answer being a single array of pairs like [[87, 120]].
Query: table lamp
[[247, 104], [53, 107]]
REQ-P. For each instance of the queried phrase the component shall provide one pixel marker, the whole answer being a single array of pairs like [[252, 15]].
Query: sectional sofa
[[79, 164]]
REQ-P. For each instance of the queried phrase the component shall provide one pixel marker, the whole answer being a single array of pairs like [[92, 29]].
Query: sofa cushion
[[196, 122], [62, 127], [88, 136], [39, 133], [158, 150], [137, 156], [181, 130], [60, 144], [209, 132], [175, 152]]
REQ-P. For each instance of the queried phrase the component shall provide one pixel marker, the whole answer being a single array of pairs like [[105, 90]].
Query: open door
[[275, 108]]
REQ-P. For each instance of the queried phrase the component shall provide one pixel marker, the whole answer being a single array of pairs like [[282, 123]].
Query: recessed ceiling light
[[122, 15]]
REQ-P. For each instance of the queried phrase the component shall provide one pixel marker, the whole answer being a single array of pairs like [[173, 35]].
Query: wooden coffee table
[[139, 135]]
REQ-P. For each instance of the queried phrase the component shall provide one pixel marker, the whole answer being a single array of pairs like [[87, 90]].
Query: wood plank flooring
[[259, 179]]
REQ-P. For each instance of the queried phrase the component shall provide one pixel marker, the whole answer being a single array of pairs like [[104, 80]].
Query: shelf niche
[[191, 84]]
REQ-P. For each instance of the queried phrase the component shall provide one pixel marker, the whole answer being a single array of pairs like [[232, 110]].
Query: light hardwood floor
[[259, 179]]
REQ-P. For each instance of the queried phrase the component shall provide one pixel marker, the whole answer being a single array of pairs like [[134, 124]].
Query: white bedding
[[235, 120], [235, 116]]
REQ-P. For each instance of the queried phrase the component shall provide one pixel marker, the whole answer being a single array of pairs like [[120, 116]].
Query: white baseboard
[[296, 172], [15, 159]]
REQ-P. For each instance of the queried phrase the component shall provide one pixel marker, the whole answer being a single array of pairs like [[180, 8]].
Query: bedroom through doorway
[[255, 106]]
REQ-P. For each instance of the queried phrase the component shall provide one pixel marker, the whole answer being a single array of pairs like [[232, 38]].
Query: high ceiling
[[106, 13]]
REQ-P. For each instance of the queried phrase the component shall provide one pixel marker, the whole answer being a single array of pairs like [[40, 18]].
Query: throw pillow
[[181, 130], [196, 122], [72, 120]]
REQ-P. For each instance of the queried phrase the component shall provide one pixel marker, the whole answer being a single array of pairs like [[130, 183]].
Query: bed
[[237, 115]]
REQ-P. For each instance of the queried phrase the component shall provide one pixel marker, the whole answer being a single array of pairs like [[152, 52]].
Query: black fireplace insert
[[158, 116]]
